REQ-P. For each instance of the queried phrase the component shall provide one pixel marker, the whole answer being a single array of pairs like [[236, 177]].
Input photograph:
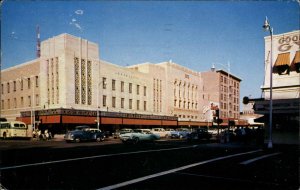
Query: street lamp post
[[98, 114], [267, 27]]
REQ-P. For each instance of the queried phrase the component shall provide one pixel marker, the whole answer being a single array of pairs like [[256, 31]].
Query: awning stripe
[[283, 59], [296, 58]]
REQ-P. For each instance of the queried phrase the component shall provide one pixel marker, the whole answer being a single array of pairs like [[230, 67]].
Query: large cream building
[[69, 84], [285, 60]]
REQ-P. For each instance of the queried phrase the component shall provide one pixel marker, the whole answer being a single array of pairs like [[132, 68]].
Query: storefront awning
[[282, 59], [296, 59]]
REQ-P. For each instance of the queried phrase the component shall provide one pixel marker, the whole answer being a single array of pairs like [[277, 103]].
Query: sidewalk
[[58, 137]]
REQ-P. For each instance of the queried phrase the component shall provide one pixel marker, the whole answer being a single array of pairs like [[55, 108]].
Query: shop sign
[[287, 42]]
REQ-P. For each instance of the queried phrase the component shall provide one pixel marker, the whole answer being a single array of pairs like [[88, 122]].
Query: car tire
[[135, 140], [4, 135], [98, 139]]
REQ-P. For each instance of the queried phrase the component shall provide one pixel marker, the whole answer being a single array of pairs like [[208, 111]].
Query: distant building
[[221, 89], [286, 86], [70, 85]]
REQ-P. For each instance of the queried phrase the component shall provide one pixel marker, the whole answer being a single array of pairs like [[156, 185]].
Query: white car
[[160, 131], [138, 135], [169, 131]]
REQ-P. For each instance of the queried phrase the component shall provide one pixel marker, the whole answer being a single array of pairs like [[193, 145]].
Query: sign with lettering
[[286, 42]]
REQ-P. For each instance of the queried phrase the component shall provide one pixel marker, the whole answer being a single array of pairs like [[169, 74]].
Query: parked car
[[121, 131], [199, 134], [160, 131], [168, 131], [180, 133], [84, 133], [138, 135]]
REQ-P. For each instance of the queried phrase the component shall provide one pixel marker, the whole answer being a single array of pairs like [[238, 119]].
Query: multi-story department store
[[69, 85], [285, 88]]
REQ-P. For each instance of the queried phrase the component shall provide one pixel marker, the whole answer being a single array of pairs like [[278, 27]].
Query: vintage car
[[138, 135], [199, 134], [84, 133], [160, 131], [180, 133], [168, 131], [121, 131]]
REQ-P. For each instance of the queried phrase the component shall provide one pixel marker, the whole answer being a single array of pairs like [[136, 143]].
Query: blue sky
[[194, 34]]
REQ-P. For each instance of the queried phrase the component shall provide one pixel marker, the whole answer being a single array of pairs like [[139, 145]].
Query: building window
[[122, 102], [137, 89], [2, 88], [29, 101], [36, 81], [15, 102], [145, 90], [28, 83], [122, 86], [8, 87], [104, 83], [130, 87], [37, 100], [21, 84], [145, 105], [138, 105], [104, 101], [113, 84], [113, 102], [2, 104], [15, 86], [8, 104], [22, 102], [130, 103]]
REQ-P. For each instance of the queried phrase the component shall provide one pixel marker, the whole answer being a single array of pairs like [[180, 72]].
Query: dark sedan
[[199, 134], [84, 133]]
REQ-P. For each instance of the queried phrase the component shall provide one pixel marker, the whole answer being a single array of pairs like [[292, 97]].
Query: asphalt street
[[161, 165]]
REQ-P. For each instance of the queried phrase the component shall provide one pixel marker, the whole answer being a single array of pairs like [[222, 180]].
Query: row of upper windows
[[14, 85], [186, 116], [231, 90], [185, 105], [225, 80], [224, 97], [122, 86], [225, 106], [122, 103], [23, 102]]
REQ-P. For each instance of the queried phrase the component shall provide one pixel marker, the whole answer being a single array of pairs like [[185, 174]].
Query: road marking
[[228, 179], [259, 158], [173, 170], [91, 157]]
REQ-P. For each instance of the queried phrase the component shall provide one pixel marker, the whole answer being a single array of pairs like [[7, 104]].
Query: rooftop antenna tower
[[38, 42]]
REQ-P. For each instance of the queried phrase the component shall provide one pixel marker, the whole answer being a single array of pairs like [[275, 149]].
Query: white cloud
[[13, 35], [74, 20], [78, 26], [79, 12]]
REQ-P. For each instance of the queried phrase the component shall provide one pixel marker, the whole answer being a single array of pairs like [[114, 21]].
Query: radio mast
[[38, 42]]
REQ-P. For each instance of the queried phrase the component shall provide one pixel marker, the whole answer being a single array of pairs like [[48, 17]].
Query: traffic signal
[[217, 113]]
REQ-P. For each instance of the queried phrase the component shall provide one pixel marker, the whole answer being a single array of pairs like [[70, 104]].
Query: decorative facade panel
[[77, 80], [57, 80], [89, 82], [83, 82]]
